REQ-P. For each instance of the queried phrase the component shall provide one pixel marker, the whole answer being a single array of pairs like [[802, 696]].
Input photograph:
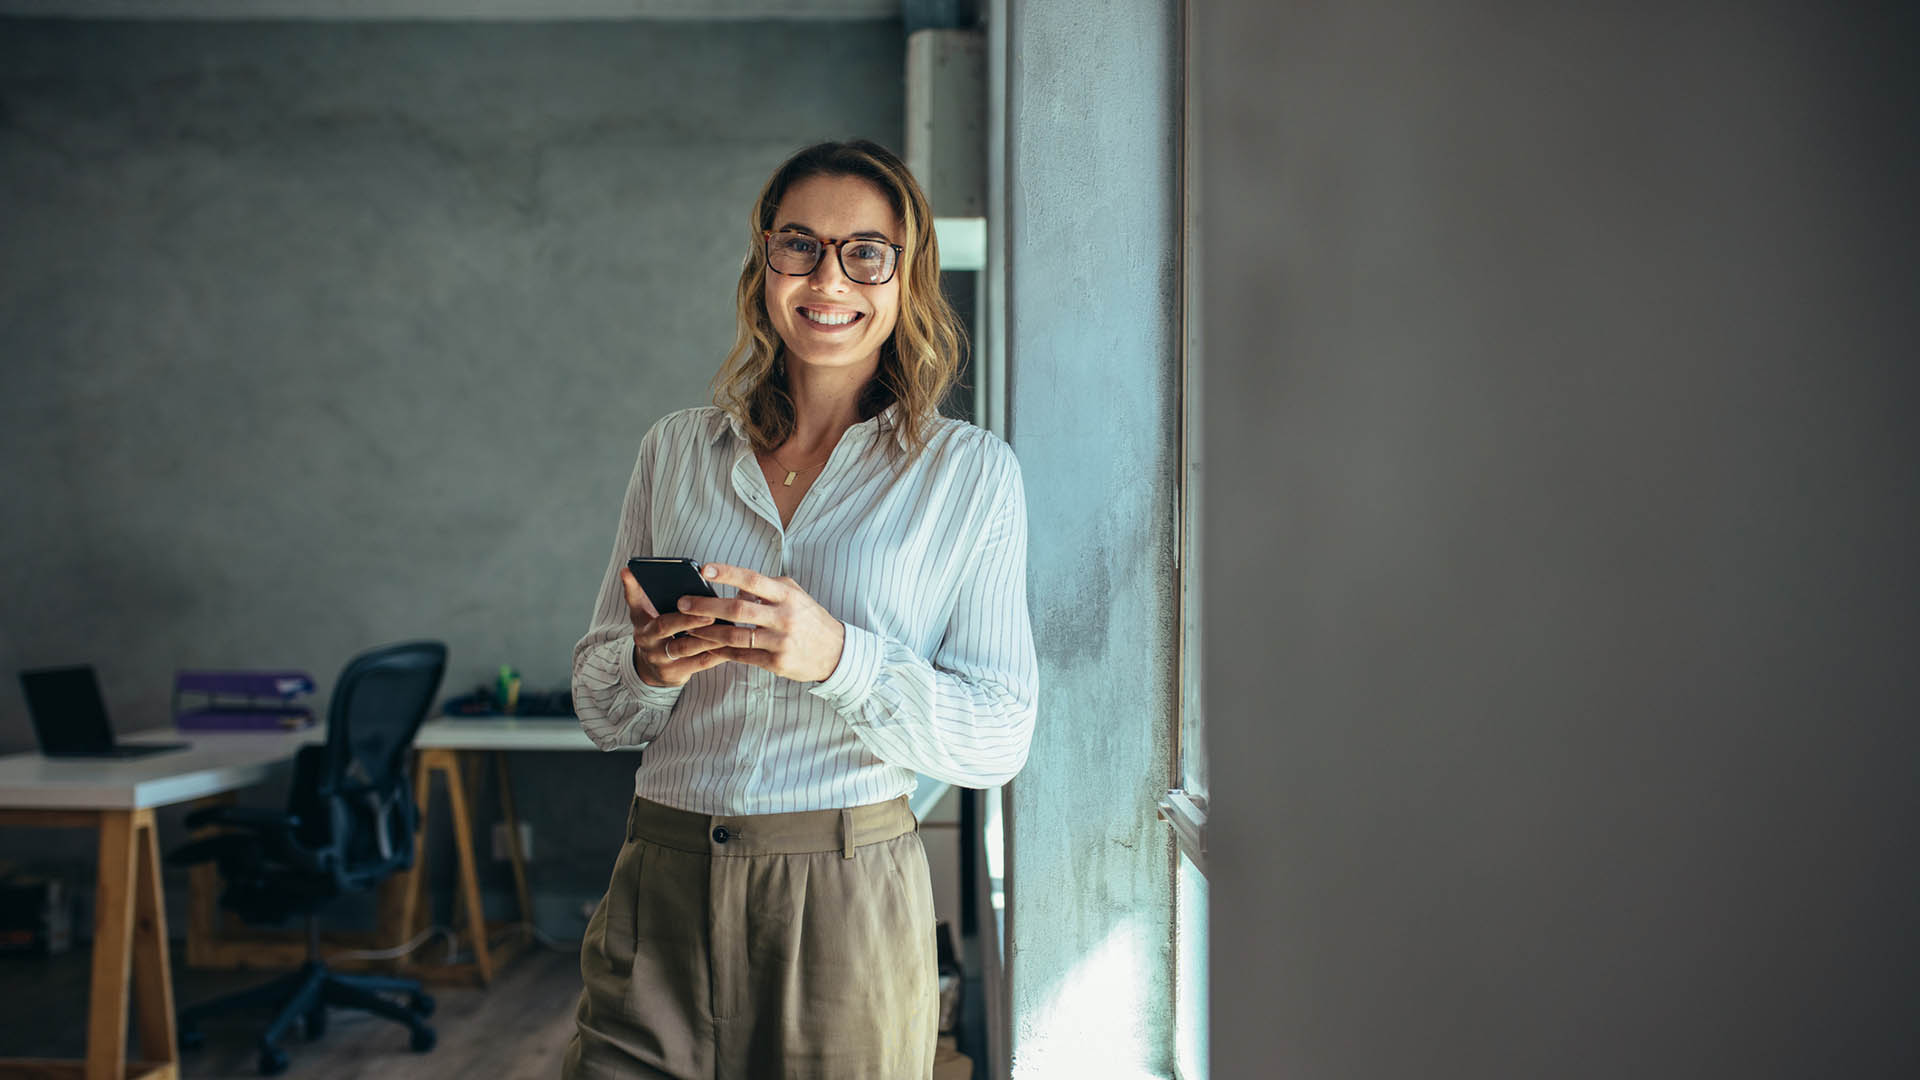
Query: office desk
[[117, 798], [447, 746]]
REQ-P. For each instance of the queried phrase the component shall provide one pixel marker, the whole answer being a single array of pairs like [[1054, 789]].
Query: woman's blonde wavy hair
[[918, 364]]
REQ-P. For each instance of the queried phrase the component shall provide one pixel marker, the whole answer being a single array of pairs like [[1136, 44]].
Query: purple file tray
[[284, 685], [243, 718]]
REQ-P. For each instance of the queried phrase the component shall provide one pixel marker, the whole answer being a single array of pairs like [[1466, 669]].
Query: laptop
[[70, 717]]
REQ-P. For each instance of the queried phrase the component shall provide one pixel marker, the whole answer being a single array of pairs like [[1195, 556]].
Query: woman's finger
[[759, 658], [688, 645], [733, 610], [673, 623], [675, 670], [749, 581], [743, 637]]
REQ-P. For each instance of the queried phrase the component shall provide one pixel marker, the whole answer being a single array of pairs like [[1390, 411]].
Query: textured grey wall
[[1561, 602], [323, 335], [1091, 347]]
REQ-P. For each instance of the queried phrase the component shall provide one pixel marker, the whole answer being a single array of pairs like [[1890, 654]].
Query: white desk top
[[213, 763], [504, 733], [220, 761]]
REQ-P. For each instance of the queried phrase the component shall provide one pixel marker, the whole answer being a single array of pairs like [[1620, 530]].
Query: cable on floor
[[455, 954], [503, 933], [397, 951]]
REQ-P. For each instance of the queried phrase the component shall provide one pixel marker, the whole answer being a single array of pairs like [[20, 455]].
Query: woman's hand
[[659, 658], [789, 633]]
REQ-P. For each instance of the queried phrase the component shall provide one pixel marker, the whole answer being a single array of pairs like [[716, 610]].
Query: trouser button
[[720, 834]]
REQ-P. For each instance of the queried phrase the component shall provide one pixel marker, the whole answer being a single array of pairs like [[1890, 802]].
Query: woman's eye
[[799, 245], [865, 252]]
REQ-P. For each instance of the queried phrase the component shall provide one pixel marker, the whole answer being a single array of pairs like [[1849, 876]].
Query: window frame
[[1184, 806]]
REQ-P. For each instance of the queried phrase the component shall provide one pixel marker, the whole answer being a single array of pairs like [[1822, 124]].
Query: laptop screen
[[68, 713]]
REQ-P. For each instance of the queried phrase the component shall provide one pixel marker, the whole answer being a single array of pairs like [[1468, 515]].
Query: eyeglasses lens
[[867, 261], [793, 253]]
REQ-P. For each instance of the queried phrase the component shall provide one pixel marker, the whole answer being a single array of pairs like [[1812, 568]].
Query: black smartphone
[[665, 580]]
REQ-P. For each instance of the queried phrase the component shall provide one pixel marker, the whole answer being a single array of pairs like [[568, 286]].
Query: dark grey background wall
[[318, 336], [1561, 536]]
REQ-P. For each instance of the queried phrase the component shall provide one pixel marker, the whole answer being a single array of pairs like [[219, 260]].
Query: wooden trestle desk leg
[[152, 978], [469, 874], [447, 764], [130, 940]]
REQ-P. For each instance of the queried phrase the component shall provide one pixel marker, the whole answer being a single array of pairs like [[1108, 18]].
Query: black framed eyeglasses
[[864, 259]]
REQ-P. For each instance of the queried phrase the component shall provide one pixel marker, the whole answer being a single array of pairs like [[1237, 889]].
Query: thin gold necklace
[[791, 473]]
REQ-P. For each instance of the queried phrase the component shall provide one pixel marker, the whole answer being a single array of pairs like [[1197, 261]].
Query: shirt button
[[720, 834]]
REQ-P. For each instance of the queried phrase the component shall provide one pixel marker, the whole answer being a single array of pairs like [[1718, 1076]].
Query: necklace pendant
[[789, 480]]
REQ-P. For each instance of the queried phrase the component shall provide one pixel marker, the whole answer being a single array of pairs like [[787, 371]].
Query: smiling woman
[[770, 912]]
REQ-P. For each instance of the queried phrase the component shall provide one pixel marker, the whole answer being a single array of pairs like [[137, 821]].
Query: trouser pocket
[[611, 930]]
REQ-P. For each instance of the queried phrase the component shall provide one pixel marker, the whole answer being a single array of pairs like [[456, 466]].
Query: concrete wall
[[323, 335], [1561, 602], [1090, 333]]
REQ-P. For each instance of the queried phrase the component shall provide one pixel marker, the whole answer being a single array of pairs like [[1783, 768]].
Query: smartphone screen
[[666, 579]]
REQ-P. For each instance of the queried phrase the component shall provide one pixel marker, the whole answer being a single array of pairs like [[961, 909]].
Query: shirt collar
[[887, 421]]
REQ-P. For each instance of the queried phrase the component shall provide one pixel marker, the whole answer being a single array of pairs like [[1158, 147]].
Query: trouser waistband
[[796, 833]]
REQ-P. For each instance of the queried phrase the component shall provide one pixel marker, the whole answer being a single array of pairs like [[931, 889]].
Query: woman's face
[[825, 319]]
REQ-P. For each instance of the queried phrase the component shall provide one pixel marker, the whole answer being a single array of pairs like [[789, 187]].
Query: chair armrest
[[246, 817]]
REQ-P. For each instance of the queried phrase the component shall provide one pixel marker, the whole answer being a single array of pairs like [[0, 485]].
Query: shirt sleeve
[[965, 716], [615, 708]]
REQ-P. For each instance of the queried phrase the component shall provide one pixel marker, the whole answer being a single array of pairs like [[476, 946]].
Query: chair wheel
[[423, 1039], [273, 1061], [421, 1004], [191, 1038], [316, 1022]]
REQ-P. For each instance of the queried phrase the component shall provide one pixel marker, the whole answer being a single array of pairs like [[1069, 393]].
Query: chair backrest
[[361, 792]]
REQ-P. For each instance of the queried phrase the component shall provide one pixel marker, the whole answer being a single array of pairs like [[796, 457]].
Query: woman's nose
[[827, 271]]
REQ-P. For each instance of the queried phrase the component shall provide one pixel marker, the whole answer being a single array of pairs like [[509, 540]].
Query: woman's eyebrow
[[875, 234]]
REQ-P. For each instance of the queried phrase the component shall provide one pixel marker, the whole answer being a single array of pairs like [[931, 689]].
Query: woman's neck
[[825, 405]]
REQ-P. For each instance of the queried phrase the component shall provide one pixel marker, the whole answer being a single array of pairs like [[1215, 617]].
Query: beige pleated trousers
[[762, 946]]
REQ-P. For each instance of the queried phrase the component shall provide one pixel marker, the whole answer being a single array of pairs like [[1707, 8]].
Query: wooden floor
[[515, 1031]]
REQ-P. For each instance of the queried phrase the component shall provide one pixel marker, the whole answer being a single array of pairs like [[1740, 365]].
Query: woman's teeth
[[823, 319]]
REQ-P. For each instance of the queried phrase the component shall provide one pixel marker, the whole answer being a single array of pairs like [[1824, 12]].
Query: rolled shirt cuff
[[847, 688], [650, 697]]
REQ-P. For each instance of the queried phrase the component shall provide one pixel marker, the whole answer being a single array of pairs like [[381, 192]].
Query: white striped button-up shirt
[[925, 564]]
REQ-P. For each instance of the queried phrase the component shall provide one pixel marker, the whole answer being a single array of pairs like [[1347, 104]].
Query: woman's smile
[[829, 320]]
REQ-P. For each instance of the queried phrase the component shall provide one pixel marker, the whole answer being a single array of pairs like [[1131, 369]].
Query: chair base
[[306, 995]]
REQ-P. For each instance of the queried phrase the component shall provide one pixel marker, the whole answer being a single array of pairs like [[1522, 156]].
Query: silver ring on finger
[[667, 647], [750, 633]]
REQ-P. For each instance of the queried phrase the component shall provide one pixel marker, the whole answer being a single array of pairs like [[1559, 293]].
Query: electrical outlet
[[500, 852]]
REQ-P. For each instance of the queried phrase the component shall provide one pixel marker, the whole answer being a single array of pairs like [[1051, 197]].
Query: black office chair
[[349, 823]]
